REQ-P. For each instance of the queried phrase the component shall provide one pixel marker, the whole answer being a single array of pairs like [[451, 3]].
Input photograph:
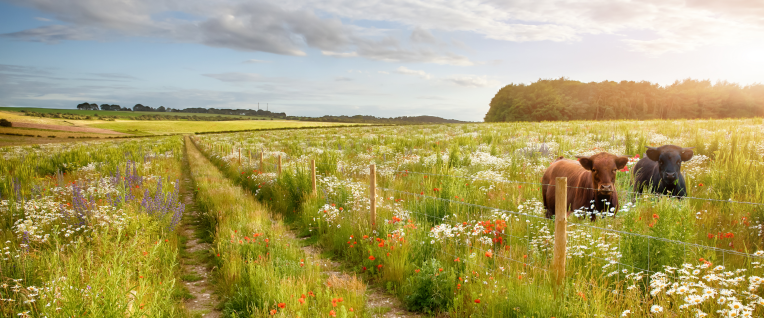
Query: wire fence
[[585, 188], [275, 168]]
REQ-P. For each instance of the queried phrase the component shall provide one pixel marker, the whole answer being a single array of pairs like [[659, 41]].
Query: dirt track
[[67, 128]]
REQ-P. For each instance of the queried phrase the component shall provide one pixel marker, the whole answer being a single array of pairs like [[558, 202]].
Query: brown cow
[[589, 179]]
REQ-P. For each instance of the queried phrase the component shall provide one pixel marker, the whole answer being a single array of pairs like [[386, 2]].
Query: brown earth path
[[379, 303], [196, 270]]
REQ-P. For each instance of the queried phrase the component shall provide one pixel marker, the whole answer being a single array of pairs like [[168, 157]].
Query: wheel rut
[[379, 303], [201, 300]]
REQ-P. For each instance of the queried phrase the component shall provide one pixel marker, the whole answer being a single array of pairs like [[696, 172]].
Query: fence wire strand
[[584, 188]]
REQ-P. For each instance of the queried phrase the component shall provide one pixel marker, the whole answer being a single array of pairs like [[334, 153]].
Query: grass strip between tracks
[[261, 269]]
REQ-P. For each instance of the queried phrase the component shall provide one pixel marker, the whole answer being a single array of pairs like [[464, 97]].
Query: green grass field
[[117, 113], [162, 127]]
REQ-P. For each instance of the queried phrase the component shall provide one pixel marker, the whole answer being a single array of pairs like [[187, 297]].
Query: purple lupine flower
[[25, 239]]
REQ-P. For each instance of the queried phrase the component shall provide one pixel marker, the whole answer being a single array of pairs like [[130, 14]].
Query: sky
[[360, 57]]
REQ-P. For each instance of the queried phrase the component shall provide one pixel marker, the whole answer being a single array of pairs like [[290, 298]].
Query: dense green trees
[[563, 99]]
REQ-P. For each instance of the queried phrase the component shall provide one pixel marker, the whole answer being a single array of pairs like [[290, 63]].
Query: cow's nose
[[671, 175], [606, 187]]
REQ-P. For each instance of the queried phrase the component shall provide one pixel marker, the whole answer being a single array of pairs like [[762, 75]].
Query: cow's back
[[570, 169], [645, 173]]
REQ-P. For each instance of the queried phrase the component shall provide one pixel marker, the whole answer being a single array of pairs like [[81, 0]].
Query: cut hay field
[[160, 127], [37, 130], [120, 113], [92, 229]]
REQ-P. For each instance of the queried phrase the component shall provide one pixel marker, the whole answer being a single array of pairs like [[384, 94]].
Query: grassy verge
[[261, 270]]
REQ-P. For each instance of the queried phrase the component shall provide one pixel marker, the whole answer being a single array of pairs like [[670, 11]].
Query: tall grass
[[261, 269], [612, 273], [83, 243]]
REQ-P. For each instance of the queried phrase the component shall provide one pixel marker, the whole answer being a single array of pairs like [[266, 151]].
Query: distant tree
[[5, 123], [105, 107], [161, 109], [83, 106]]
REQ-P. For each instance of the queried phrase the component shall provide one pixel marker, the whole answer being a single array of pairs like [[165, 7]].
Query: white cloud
[[472, 81], [461, 80], [383, 72], [236, 77], [289, 27], [406, 71], [340, 54], [420, 35], [254, 61]]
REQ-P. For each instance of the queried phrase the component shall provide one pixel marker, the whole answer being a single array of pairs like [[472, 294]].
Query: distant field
[[161, 127], [119, 114], [61, 130]]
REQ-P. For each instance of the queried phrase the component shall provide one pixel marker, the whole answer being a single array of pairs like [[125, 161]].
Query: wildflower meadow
[[92, 229], [460, 227]]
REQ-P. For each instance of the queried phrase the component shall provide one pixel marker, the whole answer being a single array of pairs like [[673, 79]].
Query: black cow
[[660, 168]]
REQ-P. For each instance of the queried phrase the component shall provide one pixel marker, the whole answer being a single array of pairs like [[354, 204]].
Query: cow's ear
[[686, 153], [653, 153], [621, 162], [586, 162]]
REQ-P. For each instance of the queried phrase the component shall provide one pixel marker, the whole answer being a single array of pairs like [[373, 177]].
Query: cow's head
[[603, 167], [669, 158]]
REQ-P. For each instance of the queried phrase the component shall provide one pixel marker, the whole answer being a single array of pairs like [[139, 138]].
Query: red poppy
[[372, 257], [655, 216], [489, 254], [282, 305], [477, 301], [273, 311], [332, 313]]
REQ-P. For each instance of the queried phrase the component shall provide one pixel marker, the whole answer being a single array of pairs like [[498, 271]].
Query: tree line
[[197, 110], [564, 99]]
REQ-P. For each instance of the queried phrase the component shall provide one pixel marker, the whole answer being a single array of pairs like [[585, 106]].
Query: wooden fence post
[[373, 195], [239, 155], [279, 164], [560, 228], [313, 175], [261, 162]]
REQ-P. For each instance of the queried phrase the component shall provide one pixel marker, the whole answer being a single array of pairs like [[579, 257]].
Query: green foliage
[[432, 289], [564, 99], [5, 123], [667, 218]]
